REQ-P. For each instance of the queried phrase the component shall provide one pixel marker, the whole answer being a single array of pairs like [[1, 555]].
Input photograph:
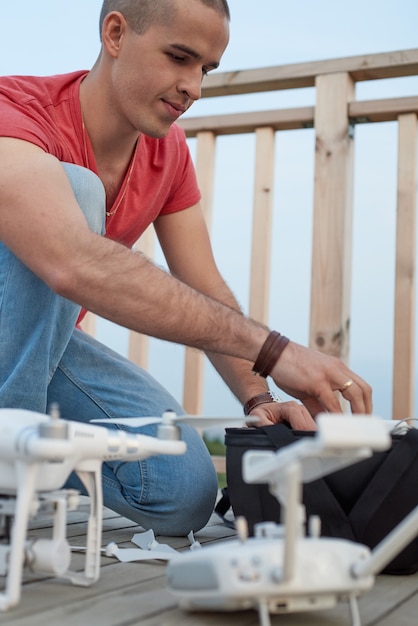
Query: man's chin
[[157, 132]]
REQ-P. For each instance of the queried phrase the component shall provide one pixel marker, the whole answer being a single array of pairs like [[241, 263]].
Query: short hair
[[140, 14]]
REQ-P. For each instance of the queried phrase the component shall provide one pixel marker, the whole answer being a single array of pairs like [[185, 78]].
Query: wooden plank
[[262, 225], [404, 614], [297, 75], [332, 230], [238, 123], [388, 594], [403, 370], [47, 600], [194, 366], [121, 597], [60, 602], [375, 610], [385, 110], [139, 349], [359, 112], [205, 170], [136, 593]]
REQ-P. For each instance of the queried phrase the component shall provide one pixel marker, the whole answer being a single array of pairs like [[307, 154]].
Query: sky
[[56, 36]]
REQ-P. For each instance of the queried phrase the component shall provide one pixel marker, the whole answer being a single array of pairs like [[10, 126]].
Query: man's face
[[157, 75]]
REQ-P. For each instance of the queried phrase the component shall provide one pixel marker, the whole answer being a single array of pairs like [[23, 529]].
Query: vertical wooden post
[[262, 225], [194, 360], [332, 228], [404, 340], [138, 343]]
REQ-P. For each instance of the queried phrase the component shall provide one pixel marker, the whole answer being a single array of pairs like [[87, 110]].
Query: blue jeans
[[44, 359]]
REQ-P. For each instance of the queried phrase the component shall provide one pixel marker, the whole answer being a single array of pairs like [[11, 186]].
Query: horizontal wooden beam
[[238, 123], [299, 75], [387, 110], [365, 111]]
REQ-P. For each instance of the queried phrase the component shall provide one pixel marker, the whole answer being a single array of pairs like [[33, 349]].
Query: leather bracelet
[[270, 353], [261, 398]]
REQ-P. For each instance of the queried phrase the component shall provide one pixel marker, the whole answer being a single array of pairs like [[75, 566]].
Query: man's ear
[[114, 27]]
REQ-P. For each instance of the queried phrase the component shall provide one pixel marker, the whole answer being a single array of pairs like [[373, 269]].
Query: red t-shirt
[[46, 111]]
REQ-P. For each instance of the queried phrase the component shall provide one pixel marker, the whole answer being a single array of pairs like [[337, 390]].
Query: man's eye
[[177, 58]]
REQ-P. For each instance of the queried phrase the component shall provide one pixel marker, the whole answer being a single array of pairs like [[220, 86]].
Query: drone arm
[[143, 446], [99, 443]]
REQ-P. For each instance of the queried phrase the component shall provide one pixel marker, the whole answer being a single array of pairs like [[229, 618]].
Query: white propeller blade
[[197, 421], [148, 549], [147, 542], [128, 555]]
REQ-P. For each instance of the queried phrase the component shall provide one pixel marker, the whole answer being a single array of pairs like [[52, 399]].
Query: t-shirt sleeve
[[24, 121]]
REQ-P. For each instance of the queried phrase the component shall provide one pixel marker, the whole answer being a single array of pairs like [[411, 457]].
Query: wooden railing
[[333, 117]]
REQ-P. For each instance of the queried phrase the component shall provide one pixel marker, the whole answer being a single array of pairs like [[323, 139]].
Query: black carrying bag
[[362, 502]]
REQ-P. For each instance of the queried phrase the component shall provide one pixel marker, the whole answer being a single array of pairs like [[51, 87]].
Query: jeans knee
[[90, 195], [171, 495]]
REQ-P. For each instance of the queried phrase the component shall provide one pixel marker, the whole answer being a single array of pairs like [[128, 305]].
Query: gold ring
[[346, 385]]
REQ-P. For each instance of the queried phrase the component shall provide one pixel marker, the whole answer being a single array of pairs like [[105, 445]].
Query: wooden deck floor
[[135, 593]]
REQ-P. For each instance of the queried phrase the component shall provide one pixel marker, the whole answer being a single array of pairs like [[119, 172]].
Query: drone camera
[[50, 556]]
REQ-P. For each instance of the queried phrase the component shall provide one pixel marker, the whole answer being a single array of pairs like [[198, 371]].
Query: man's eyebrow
[[195, 55]]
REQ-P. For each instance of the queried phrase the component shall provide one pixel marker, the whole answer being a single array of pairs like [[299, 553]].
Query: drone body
[[37, 454], [251, 575], [284, 568]]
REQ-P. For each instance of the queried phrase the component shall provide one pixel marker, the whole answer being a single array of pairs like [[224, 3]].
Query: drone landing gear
[[42, 554], [354, 610], [264, 614], [46, 555]]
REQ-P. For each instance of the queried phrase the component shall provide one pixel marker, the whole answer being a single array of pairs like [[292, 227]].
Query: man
[[76, 146]]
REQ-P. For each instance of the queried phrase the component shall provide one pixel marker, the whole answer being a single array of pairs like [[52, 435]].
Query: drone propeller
[[171, 418]]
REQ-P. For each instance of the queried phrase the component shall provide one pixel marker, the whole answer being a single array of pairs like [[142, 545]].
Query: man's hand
[[314, 377], [292, 412]]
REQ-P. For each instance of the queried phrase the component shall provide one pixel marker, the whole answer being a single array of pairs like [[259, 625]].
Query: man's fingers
[[314, 406], [302, 420], [291, 412], [326, 401], [358, 395], [297, 415]]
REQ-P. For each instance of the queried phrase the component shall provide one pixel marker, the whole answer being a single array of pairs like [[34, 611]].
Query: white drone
[[37, 454], [281, 569]]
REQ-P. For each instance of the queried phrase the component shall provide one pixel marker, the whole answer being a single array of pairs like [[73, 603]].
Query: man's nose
[[191, 84]]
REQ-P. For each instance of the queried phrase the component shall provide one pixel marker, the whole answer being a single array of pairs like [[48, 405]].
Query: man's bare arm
[[185, 242], [41, 222], [184, 239]]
